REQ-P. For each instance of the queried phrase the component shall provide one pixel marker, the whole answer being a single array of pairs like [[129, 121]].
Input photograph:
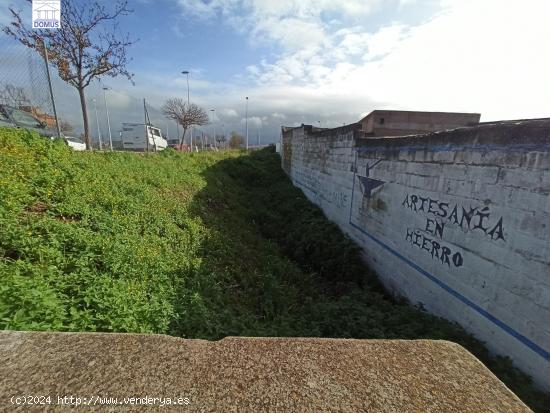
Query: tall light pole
[[246, 122], [105, 89], [214, 127], [97, 120], [186, 73]]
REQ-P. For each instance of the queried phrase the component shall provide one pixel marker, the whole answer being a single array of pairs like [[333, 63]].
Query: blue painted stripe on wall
[[451, 147], [524, 340]]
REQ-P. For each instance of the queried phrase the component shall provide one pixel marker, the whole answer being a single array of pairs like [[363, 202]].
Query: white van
[[133, 137]]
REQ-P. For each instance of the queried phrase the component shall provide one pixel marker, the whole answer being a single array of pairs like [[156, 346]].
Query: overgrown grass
[[195, 245]]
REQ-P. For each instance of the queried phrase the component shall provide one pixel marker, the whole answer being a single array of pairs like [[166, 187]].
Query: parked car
[[18, 118], [75, 143], [5, 120]]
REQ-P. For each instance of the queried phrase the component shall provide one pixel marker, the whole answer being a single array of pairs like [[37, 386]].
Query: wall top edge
[[521, 134]]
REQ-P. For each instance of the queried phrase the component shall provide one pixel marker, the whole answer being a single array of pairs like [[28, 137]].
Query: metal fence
[[24, 81]]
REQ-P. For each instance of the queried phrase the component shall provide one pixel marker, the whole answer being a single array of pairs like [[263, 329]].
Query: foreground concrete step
[[243, 374]]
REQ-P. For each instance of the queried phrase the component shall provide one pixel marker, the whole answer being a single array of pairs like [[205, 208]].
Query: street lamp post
[[105, 89], [246, 122], [214, 127], [97, 120], [186, 73]]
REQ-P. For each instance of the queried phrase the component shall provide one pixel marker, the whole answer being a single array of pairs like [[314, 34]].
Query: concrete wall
[[458, 221]]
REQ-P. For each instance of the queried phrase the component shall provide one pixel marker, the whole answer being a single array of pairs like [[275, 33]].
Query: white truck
[[134, 137]]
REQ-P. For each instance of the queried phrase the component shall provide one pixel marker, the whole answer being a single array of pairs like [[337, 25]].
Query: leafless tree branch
[[185, 115], [13, 96]]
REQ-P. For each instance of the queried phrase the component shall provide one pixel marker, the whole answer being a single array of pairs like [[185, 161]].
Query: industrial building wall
[[458, 221]]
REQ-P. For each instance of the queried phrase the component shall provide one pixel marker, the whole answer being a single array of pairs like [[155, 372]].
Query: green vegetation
[[195, 245]]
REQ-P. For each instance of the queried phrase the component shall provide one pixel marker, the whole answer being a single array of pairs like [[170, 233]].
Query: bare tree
[[65, 126], [86, 47], [177, 110], [13, 96]]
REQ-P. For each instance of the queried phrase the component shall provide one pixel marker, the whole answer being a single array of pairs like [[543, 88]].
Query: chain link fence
[[24, 86]]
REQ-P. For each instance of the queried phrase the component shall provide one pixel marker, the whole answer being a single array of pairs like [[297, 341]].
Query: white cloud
[[228, 113], [119, 100], [384, 41], [291, 33], [253, 122], [404, 3], [478, 56], [301, 9], [292, 24], [485, 56]]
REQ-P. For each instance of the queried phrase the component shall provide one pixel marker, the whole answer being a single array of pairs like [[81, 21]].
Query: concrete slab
[[242, 374]]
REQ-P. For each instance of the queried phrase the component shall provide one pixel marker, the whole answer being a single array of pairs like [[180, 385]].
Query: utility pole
[[246, 122], [98, 130], [186, 73], [145, 125], [47, 62], [214, 127], [108, 120]]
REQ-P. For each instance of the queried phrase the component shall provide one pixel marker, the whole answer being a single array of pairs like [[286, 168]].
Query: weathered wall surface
[[458, 221]]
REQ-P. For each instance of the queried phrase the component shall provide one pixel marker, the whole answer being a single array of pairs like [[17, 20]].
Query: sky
[[322, 62]]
